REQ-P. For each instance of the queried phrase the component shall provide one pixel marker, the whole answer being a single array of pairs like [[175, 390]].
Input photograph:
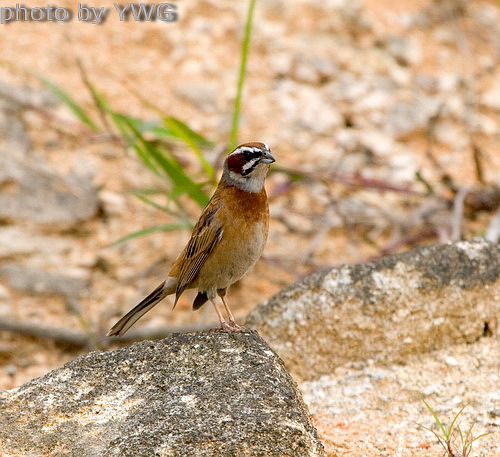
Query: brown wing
[[206, 234]]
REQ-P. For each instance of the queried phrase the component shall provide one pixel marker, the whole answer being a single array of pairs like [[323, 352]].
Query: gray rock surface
[[384, 310], [23, 97], [14, 138], [202, 394], [34, 281], [35, 192], [18, 242], [29, 188]]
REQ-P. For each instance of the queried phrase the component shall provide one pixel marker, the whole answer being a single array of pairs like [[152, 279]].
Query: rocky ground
[[373, 409], [385, 122]]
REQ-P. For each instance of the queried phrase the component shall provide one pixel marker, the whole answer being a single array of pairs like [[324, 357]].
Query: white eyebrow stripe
[[249, 149], [250, 163], [246, 149]]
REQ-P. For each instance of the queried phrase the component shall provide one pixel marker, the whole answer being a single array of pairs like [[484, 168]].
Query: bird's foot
[[231, 326]]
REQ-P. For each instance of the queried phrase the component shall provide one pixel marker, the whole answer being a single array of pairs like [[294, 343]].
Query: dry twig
[[80, 339], [458, 214]]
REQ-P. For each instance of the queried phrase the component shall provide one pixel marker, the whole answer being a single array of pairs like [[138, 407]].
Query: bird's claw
[[231, 326]]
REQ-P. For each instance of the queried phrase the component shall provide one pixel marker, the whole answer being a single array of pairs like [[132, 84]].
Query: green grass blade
[[123, 123], [99, 98], [468, 441], [151, 203], [462, 438], [148, 125], [480, 436], [191, 139], [142, 125], [436, 419], [233, 136], [465, 440], [65, 98], [162, 131], [149, 230], [440, 439], [154, 159], [170, 166], [178, 129], [179, 190], [163, 208], [450, 428], [148, 191]]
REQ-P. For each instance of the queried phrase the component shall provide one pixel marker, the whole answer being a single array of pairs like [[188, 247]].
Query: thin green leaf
[[436, 419], [149, 230], [467, 444], [462, 438], [99, 98], [123, 124], [145, 126], [171, 167], [233, 136], [152, 203], [140, 124], [450, 428], [166, 133], [163, 208], [480, 436], [179, 190], [467, 437], [70, 103], [148, 191], [440, 439], [163, 132], [179, 213], [191, 139], [466, 440]]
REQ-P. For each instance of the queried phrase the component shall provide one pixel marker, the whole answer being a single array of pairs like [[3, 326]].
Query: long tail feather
[[142, 308]]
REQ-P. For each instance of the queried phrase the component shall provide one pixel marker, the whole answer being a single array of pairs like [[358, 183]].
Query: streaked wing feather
[[206, 235]]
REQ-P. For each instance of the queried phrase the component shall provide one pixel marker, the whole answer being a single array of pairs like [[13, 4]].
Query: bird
[[225, 243]]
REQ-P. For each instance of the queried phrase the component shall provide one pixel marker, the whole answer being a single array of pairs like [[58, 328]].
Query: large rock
[[202, 394], [384, 310], [30, 189], [35, 281], [33, 191]]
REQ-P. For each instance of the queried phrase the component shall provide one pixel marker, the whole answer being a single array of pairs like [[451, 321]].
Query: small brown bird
[[226, 242]]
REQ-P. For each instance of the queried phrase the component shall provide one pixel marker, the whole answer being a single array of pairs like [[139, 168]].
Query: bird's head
[[246, 167]]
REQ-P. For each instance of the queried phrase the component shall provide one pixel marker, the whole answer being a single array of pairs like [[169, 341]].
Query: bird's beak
[[267, 158]]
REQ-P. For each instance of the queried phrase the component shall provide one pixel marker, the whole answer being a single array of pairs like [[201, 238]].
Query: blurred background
[[383, 117]]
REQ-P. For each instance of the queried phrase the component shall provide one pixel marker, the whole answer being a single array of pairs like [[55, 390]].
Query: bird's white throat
[[252, 183]]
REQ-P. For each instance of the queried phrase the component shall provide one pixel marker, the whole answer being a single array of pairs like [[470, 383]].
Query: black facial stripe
[[249, 170], [249, 153]]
